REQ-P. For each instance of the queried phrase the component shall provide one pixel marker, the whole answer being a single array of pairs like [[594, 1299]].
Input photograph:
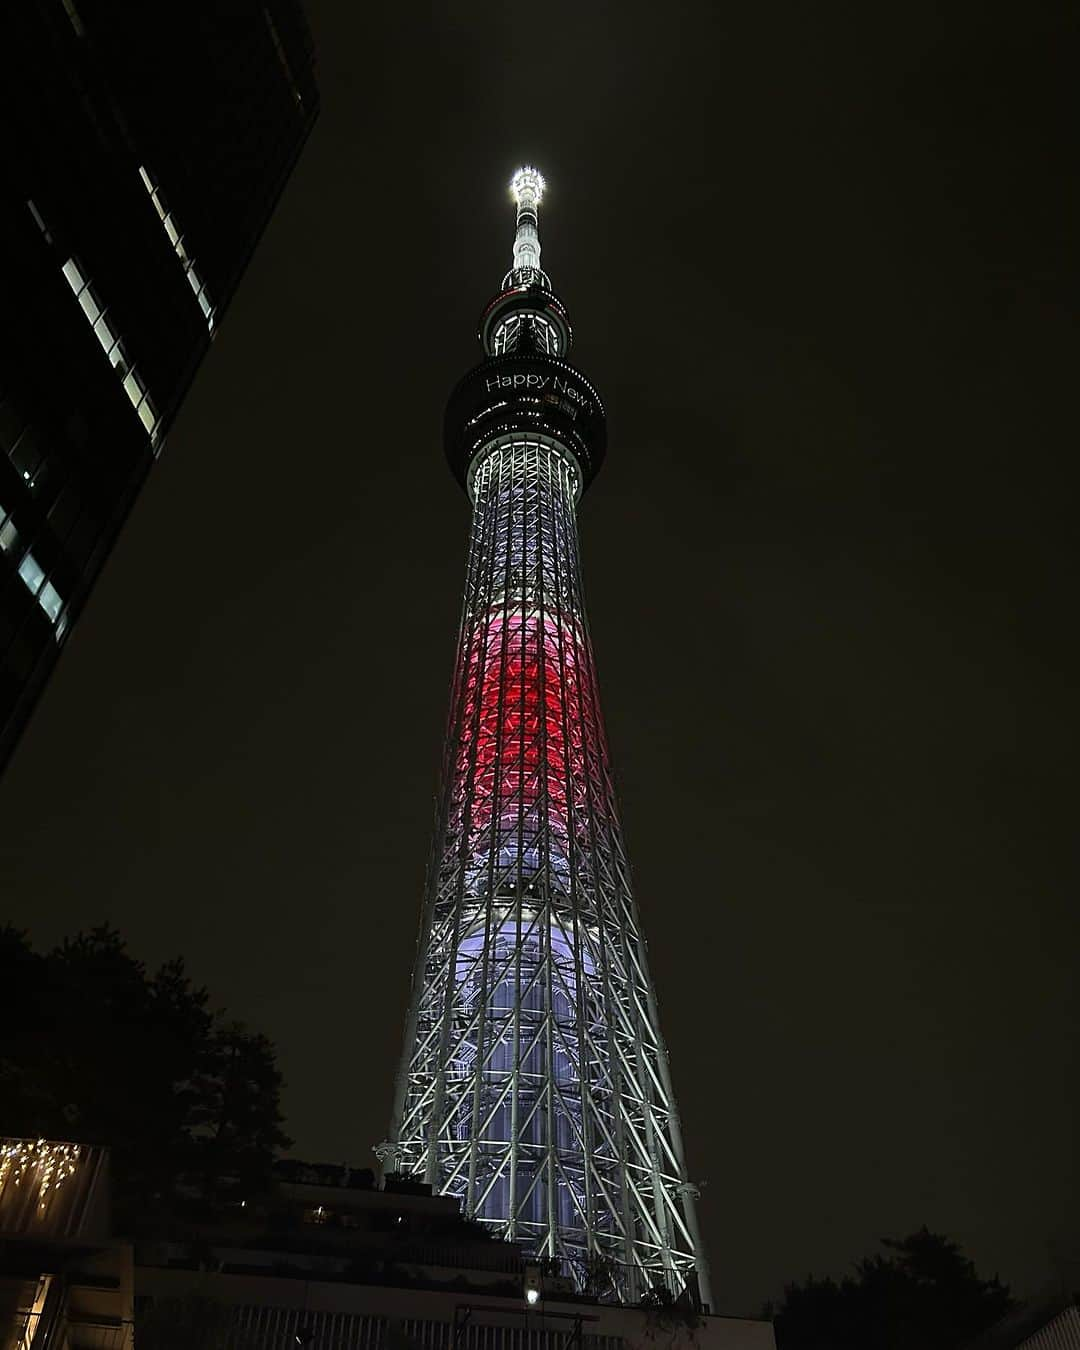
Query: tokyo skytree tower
[[534, 1083]]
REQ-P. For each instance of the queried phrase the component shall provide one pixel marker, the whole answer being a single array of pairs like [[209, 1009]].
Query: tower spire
[[527, 189], [526, 309]]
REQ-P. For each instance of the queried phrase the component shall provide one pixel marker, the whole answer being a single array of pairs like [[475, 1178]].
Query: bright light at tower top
[[527, 186]]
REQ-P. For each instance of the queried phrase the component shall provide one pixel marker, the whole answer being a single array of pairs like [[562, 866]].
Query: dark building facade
[[145, 149]]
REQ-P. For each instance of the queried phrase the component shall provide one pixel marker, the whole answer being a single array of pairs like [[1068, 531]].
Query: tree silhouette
[[234, 1119], [924, 1294], [98, 1051]]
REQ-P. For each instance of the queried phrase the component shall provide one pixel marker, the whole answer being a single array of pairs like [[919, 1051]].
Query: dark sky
[[816, 259]]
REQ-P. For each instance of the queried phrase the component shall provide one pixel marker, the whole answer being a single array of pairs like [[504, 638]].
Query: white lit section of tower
[[534, 1083], [516, 308], [527, 188]]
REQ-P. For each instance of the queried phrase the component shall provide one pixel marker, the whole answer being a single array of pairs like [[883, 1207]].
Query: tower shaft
[[534, 1083]]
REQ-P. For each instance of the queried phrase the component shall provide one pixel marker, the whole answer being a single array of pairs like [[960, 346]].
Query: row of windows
[[176, 239], [282, 58], [73, 15], [33, 575], [510, 332], [112, 345], [25, 453], [38, 468]]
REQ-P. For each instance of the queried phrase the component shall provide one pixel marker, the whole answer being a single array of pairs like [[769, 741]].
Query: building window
[[27, 458], [97, 316], [9, 535], [275, 37], [195, 281], [20, 444], [33, 575], [73, 15], [50, 602], [39, 222], [509, 333]]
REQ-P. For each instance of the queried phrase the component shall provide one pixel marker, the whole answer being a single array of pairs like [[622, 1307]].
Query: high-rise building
[[534, 1083], [145, 147]]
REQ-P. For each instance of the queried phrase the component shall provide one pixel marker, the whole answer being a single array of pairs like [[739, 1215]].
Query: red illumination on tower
[[527, 752]]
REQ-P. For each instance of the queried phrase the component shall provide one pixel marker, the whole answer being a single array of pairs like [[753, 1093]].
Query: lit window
[[26, 457], [89, 304], [50, 601], [73, 15], [509, 333], [195, 281], [33, 576], [76, 280], [9, 535], [31, 573], [282, 57], [111, 345], [39, 222], [104, 333]]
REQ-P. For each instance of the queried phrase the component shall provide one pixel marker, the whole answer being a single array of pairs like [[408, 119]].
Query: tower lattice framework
[[534, 1083]]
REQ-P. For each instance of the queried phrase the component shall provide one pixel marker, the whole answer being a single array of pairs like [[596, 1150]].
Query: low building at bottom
[[325, 1261], [248, 1311], [1048, 1322], [65, 1282]]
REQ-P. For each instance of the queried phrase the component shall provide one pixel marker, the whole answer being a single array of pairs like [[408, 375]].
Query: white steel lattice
[[534, 1083]]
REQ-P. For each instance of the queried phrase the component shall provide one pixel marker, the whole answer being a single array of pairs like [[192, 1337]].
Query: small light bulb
[[532, 1295]]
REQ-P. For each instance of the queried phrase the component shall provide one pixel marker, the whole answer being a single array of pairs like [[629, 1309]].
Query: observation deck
[[525, 393]]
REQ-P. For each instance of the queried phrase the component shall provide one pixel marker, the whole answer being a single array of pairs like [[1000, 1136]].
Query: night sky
[[816, 260]]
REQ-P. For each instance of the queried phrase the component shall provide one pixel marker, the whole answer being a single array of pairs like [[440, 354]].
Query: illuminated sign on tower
[[534, 1083]]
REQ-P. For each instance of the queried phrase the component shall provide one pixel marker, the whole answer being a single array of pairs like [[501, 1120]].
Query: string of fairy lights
[[40, 1163]]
